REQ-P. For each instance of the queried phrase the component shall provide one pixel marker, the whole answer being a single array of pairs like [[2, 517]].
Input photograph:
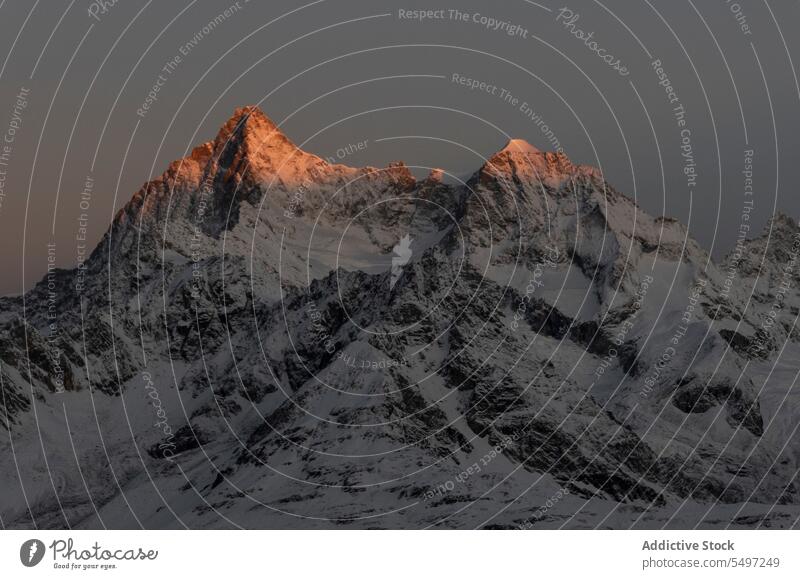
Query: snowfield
[[245, 354]]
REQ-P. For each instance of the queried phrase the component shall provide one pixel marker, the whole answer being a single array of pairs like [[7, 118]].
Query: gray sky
[[336, 73]]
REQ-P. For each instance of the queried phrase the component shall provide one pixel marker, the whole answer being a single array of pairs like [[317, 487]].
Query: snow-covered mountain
[[264, 339]]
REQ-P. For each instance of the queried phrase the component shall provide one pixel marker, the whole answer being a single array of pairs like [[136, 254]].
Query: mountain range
[[264, 339]]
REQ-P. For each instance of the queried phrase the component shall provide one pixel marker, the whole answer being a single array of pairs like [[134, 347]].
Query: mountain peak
[[519, 146], [250, 127], [773, 248], [252, 146], [523, 161], [435, 176], [782, 222]]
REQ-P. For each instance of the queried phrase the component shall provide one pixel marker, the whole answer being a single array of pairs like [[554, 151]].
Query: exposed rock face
[[244, 351]]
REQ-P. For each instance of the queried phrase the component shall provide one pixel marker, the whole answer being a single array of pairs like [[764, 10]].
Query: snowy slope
[[548, 355]]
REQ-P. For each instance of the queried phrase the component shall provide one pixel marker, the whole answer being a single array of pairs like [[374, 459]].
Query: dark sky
[[335, 73]]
